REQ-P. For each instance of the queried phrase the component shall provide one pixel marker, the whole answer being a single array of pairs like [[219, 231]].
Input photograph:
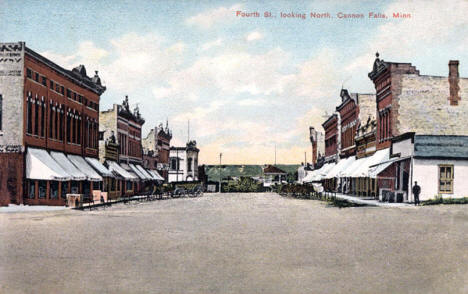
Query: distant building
[[273, 175], [49, 121], [156, 149], [318, 146], [184, 163], [120, 127]]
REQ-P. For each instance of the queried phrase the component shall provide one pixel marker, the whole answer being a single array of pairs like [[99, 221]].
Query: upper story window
[[44, 81], [29, 73], [36, 77]]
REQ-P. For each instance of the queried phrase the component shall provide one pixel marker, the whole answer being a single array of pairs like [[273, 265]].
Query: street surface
[[236, 243]]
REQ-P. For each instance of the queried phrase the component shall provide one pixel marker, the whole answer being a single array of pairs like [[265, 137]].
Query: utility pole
[[188, 131], [220, 155], [275, 154]]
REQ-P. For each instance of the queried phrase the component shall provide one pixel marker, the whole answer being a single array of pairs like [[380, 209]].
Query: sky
[[246, 84]]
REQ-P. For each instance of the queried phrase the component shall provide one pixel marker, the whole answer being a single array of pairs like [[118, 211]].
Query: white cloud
[[211, 44], [253, 36], [87, 54], [405, 39], [230, 72], [142, 60], [207, 19]]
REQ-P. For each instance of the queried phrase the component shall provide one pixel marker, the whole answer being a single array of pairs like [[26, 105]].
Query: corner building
[[49, 122]]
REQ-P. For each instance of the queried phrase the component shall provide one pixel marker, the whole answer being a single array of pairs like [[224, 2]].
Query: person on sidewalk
[[416, 192]]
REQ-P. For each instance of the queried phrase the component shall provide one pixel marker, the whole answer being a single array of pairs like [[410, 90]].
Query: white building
[[184, 163], [438, 163]]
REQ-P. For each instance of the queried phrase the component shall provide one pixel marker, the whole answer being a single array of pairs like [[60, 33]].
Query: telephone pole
[[220, 155]]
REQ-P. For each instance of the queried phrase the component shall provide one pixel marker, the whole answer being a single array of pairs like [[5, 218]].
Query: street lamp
[[220, 155]]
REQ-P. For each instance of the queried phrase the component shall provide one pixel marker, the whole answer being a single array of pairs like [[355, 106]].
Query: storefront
[[46, 181]]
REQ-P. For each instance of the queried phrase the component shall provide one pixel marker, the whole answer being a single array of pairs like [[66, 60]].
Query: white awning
[[84, 167], [69, 167], [375, 170], [144, 172], [94, 162], [376, 158], [321, 173], [137, 172], [309, 176], [115, 167], [348, 172], [156, 175], [318, 174], [41, 166], [341, 165]]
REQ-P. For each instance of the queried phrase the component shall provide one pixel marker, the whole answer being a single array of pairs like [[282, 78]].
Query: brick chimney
[[313, 140], [453, 80]]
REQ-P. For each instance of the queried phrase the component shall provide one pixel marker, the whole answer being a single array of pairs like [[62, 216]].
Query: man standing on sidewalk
[[416, 192]]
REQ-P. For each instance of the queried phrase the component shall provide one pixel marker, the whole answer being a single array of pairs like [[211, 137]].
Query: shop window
[[446, 179], [32, 189], [129, 185], [42, 189], [75, 187], [54, 190], [113, 184], [86, 188], [64, 190], [96, 185]]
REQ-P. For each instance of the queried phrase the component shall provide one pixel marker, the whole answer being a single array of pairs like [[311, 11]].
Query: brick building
[[49, 121], [121, 127], [419, 110], [355, 109], [332, 137], [318, 147], [156, 149]]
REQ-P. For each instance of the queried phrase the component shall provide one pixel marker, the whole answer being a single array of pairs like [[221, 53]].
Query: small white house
[[438, 163]]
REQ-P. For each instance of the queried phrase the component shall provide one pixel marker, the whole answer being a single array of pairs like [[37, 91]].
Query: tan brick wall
[[424, 106], [367, 107], [149, 142]]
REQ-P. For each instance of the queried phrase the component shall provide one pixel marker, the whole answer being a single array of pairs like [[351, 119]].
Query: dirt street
[[236, 243]]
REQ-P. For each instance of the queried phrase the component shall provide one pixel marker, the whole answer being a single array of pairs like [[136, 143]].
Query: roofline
[[62, 71], [441, 157], [328, 119]]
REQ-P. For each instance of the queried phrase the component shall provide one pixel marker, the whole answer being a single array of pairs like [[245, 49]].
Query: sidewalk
[[369, 202]]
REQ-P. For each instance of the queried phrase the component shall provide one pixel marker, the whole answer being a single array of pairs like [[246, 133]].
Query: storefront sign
[[11, 148]]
